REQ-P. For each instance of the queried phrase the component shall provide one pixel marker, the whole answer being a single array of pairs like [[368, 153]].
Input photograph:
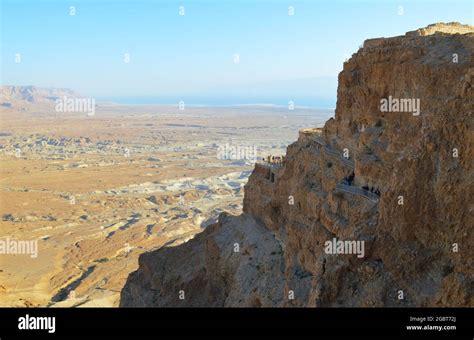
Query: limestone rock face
[[235, 262], [415, 227]]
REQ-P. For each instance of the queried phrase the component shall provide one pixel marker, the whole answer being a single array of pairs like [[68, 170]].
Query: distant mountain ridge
[[22, 96]]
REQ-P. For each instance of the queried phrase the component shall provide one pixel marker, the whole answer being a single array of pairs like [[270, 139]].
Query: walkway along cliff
[[374, 209]]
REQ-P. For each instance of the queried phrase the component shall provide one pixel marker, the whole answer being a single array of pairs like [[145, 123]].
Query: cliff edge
[[374, 209]]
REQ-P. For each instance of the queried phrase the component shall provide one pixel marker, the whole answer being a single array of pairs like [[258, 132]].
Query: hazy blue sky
[[282, 57]]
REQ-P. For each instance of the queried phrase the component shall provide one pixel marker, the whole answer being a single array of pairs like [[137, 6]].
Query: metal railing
[[327, 149], [319, 140], [273, 166], [357, 191]]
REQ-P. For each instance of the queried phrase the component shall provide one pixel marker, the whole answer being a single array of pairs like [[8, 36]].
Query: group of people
[[277, 160], [349, 179], [372, 190]]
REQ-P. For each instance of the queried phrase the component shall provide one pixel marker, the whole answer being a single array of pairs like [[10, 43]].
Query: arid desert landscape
[[243, 167], [96, 191], [315, 154]]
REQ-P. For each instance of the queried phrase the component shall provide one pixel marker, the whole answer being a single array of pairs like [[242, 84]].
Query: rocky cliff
[[374, 209]]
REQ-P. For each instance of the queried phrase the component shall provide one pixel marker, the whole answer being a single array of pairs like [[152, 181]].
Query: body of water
[[312, 102]]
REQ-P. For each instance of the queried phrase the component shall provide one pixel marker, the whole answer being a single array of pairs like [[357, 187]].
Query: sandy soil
[[95, 192]]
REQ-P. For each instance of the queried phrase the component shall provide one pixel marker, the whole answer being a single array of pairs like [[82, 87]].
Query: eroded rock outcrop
[[395, 179], [235, 262]]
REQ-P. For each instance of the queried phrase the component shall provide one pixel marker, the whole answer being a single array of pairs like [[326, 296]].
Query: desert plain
[[96, 191]]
